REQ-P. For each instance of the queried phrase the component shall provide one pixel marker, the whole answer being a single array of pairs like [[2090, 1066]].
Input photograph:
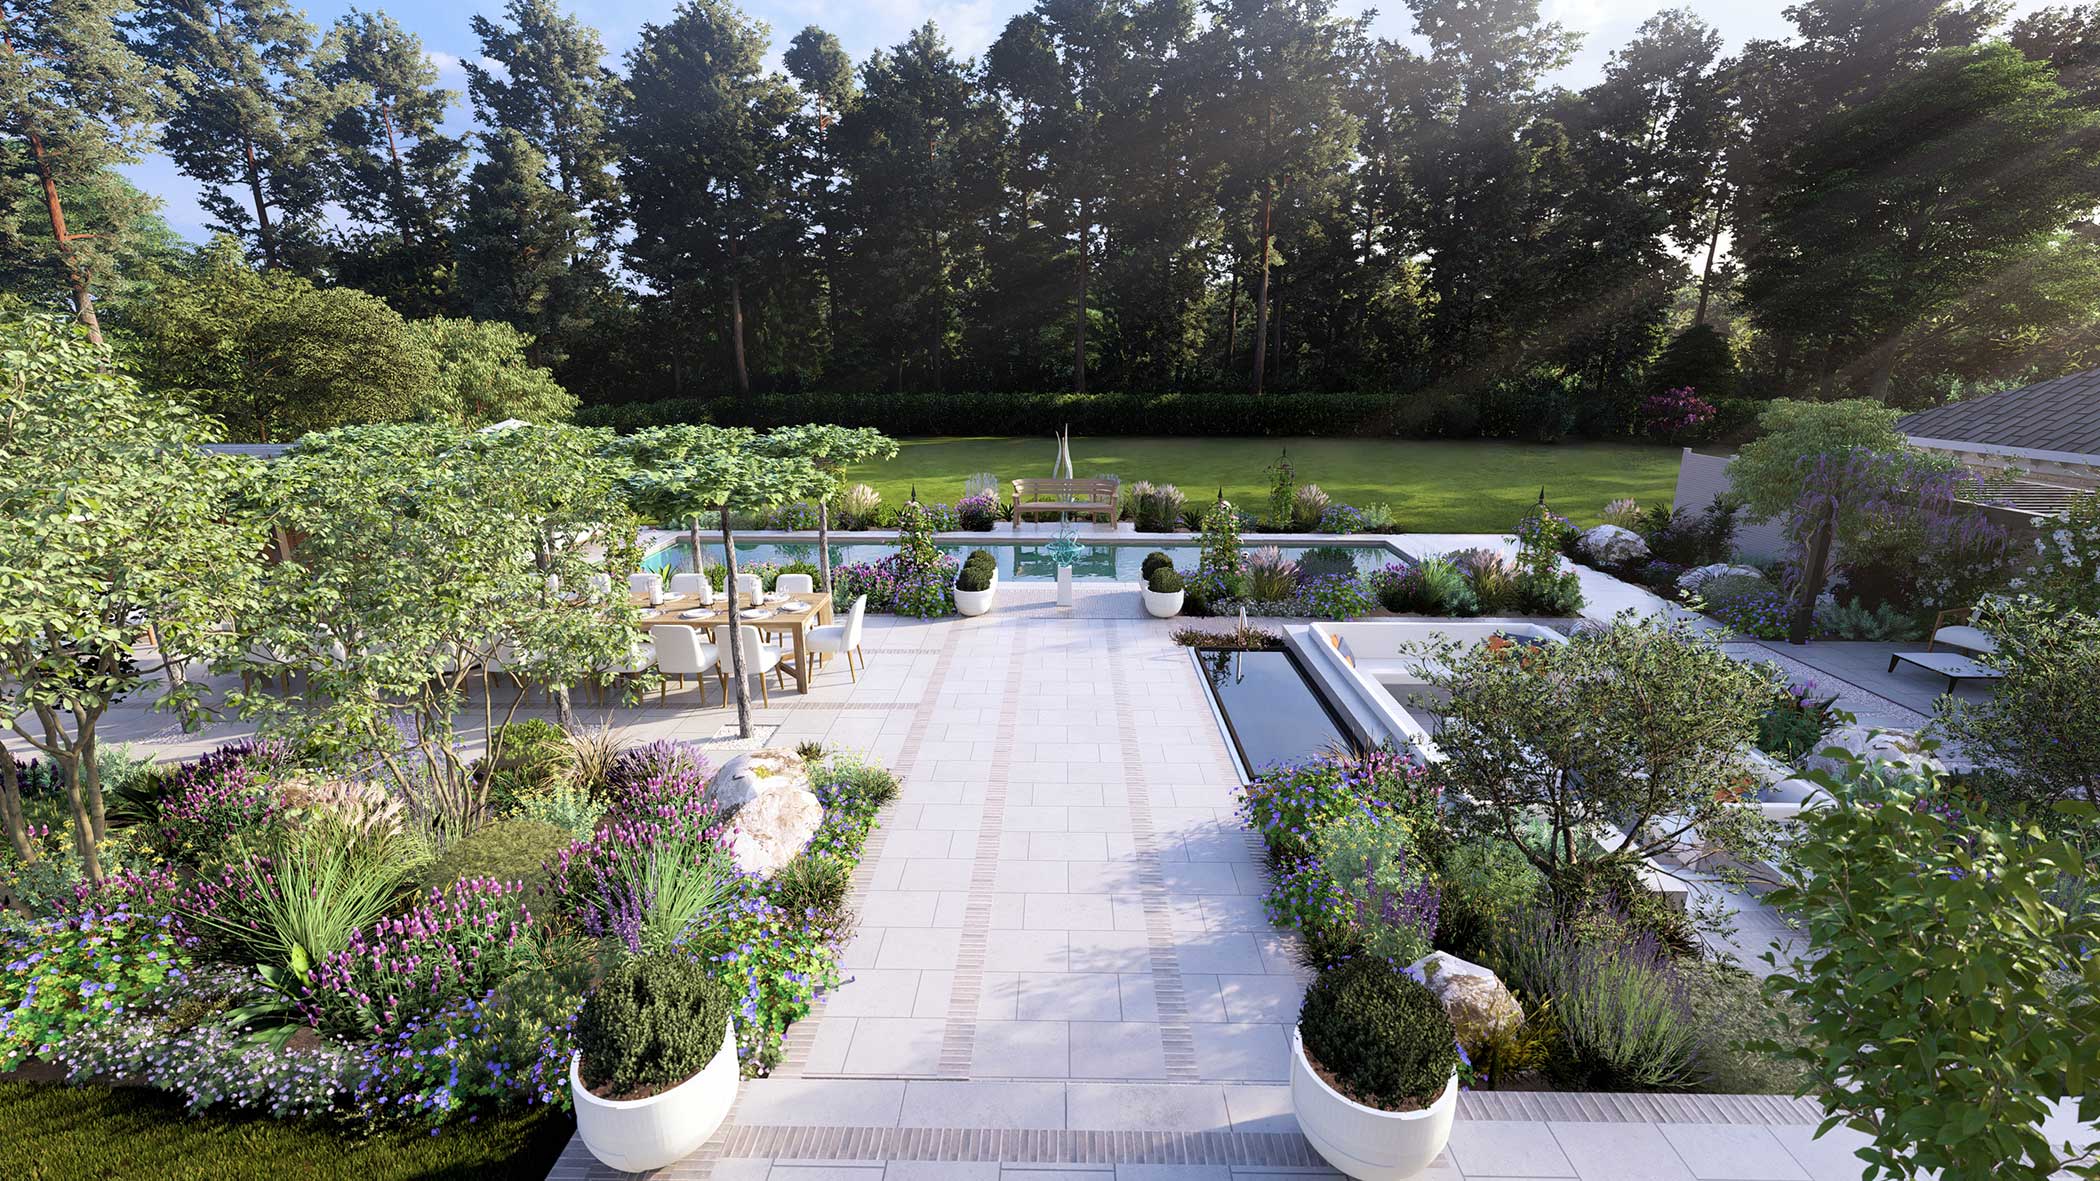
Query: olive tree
[[421, 554], [1622, 740], [122, 551], [833, 449], [684, 472]]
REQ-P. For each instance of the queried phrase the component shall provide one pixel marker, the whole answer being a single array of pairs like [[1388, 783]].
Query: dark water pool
[[1272, 713]]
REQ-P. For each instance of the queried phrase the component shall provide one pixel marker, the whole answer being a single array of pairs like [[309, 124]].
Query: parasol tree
[[683, 472], [833, 449]]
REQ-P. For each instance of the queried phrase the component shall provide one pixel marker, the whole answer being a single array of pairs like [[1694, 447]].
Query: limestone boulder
[[1696, 578], [1898, 747], [772, 810], [1610, 545], [1479, 1003]]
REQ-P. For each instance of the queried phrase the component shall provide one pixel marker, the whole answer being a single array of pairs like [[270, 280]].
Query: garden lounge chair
[[1964, 634]]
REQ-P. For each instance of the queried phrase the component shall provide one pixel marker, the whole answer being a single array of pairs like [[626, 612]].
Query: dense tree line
[[1255, 196]]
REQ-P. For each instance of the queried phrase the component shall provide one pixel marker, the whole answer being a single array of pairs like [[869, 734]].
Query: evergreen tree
[[824, 74], [513, 244], [78, 99], [398, 176], [707, 164], [250, 114]]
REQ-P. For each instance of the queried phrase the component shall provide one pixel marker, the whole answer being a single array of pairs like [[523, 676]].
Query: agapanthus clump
[[458, 941]]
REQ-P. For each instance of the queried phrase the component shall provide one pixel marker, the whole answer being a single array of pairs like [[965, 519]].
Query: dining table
[[774, 618]]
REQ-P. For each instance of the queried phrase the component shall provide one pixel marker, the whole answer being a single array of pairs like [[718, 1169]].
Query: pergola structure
[[2039, 445]]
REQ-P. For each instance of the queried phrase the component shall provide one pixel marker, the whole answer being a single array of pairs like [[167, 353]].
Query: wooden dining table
[[794, 624]]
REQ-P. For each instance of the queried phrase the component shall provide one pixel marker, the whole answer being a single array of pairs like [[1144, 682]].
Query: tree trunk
[[693, 536], [1884, 369], [824, 541], [77, 275], [11, 808], [264, 234], [736, 633], [91, 776], [399, 186], [1232, 319], [1079, 320], [1706, 276], [1814, 565], [736, 330], [83, 829], [1261, 304]]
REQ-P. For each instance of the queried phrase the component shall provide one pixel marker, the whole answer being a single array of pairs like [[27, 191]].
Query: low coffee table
[[1955, 668]]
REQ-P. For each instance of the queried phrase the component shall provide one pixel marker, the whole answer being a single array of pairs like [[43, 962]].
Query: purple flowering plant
[[61, 974], [458, 941], [218, 798]]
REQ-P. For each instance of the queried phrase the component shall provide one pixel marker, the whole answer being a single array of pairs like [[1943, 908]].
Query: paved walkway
[[1063, 970]]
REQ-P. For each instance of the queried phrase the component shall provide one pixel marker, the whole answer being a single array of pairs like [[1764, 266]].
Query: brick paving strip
[[1176, 1040], [966, 992], [794, 1052]]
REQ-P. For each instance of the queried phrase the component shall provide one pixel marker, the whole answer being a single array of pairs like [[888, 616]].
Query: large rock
[[1898, 747], [1610, 545], [1692, 580], [772, 812], [1479, 1003]]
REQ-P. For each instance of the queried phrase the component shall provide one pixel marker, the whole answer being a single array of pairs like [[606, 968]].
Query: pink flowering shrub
[[227, 793], [458, 942], [1677, 414]]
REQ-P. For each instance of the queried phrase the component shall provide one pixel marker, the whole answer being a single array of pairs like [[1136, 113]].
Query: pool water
[[1272, 713], [1022, 561]]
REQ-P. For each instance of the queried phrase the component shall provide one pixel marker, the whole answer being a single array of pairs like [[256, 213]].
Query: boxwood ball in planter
[[1374, 1071], [976, 583], [1163, 591], [655, 1069]]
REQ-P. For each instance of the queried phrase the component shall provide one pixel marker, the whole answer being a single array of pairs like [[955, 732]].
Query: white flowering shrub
[[2066, 570]]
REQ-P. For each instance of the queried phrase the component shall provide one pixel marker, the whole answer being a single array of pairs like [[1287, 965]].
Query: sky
[[970, 26]]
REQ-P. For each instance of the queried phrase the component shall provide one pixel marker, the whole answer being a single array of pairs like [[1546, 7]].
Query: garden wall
[[1700, 478]]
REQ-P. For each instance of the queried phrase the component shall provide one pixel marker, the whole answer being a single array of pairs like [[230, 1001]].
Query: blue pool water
[[1021, 561]]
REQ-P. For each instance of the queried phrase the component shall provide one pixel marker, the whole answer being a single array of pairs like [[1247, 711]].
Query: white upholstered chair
[[760, 657], [691, 583], [795, 584], [646, 582], [749, 586], [681, 653], [841, 639]]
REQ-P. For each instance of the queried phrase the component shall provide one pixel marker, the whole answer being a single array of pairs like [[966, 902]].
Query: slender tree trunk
[[693, 536], [736, 632], [824, 541], [1884, 369], [1079, 319], [1813, 567], [11, 808], [91, 777], [399, 195], [1706, 276], [736, 330], [1232, 319], [76, 274], [1261, 305], [264, 233]]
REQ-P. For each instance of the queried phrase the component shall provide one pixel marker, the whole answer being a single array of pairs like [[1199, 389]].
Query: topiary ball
[[1154, 561], [653, 1022], [1164, 580], [1382, 1035]]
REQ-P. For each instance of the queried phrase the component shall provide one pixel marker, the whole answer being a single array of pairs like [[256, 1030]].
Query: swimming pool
[[1023, 561]]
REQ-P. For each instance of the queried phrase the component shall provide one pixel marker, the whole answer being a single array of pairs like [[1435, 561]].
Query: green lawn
[[55, 1133], [1434, 486]]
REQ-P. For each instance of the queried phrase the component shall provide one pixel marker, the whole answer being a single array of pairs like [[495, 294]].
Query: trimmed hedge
[[654, 1022], [1409, 415], [1385, 1037]]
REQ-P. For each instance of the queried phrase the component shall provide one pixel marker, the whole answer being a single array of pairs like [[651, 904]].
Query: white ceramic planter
[[1364, 1142], [1162, 604], [976, 602], [642, 1134]]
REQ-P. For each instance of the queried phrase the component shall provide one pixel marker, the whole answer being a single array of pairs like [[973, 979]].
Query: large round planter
[[637, 1135], [1162, 604], [976, 602], [1364, 1142]]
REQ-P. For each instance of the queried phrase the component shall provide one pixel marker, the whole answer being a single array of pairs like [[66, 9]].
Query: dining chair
[[750, 586], [680, 652], [640, 658], [690, 583], [645, 583], [760, 657], [795, 584], [841, 638]]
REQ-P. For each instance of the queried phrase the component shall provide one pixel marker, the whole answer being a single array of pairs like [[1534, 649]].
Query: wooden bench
[[1081, 498]]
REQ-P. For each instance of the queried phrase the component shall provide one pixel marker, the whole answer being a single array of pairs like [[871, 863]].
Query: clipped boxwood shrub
[[1154, 561], [654, 1022], [507, 850], [973, 578], [1383, 1038], [1164, 580]]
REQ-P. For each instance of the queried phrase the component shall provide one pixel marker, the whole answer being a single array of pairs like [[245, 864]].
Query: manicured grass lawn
[[1434, 486], [55, 1133]]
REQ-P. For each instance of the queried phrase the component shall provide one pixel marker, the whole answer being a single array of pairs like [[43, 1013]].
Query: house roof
[[2060, 416]]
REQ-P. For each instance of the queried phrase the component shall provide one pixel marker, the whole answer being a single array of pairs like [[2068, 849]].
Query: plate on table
[[794, 607], [648, 613], [775, 597], [695, 613], [756, 613]]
